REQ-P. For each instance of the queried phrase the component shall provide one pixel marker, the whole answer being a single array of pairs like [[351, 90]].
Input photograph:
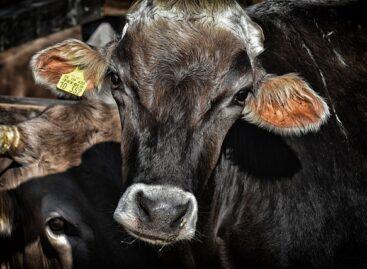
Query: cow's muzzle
[[158, 214]]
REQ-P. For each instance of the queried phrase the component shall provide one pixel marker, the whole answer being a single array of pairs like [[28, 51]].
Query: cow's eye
[[241, 95], [57, 224], [115, 79]]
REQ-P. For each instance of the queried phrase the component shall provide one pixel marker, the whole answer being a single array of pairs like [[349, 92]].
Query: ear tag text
[[73, 82]]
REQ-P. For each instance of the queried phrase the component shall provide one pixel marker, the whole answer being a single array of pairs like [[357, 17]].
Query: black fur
[[87, 195], [269, 200], [298, 202]]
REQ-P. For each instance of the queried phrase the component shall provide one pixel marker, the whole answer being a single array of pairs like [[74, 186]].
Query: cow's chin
[[150, 239], [157, 238]]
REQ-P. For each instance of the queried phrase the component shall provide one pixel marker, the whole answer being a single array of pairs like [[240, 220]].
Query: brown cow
[[211, 111], [54, 141], [187, 75]]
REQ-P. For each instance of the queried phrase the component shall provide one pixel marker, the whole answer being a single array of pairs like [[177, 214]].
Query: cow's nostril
[[157, 214], [181, 211], [168, 212], [144, 205]]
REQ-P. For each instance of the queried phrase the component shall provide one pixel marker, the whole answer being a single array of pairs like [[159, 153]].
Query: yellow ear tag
[[73, 82]]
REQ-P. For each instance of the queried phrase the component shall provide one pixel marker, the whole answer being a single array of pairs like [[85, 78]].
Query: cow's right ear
[[51, 63]]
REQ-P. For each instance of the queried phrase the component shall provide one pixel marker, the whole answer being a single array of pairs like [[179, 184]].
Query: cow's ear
[[286, 105], [51, 63]]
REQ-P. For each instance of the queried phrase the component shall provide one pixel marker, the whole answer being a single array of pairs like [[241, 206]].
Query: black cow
[[219, 127], [65, 220]]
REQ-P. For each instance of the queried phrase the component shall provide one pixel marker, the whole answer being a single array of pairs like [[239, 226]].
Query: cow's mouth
[[153, 239]]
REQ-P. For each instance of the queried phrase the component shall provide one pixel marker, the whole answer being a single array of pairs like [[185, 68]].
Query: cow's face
[[65, 220], [57, 229], [179, 91], [55, 223], [181, 76]]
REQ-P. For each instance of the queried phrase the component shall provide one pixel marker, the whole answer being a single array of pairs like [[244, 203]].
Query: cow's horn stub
[[9, 138]]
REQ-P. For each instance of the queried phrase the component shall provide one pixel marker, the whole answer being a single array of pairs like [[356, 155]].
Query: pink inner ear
[[50, 64], [286, 104], [51, 67], [53, 70]]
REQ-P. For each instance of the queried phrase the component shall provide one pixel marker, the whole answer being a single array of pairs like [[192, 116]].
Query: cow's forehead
[[222, 13], [185, 48], [182, 43], [171, 58]]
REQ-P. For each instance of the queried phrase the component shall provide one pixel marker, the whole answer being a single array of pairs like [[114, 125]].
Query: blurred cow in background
[[61, 216], [64, 220], [56, 139]]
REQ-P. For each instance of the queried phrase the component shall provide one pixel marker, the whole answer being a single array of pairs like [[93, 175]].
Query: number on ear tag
[[73, 82]]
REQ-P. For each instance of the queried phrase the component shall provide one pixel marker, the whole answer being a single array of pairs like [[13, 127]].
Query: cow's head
[[65, 220], [182, 74], [48, 223], [51, 224]]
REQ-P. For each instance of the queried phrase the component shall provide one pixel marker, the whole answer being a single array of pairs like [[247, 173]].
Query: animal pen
[[183, 134]]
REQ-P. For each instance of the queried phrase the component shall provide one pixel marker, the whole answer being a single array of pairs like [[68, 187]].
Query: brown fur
[[192, 6], [6, 214], [34, 257], [187, 82], [55, 140], [286, 103], [50, 64]]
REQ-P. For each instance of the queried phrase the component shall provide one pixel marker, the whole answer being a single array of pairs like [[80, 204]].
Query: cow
[[243, 129], [55, 140], [64, 220]]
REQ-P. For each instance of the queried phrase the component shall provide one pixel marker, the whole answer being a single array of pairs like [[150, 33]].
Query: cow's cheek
[[62, 246], [128, 150], [209, 157], [213, 140]]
